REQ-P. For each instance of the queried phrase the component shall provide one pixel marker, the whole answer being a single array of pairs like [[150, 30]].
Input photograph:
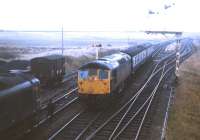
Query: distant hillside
[[43, 39]]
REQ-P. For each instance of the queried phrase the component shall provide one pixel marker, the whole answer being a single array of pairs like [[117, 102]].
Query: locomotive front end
[[94, 81]]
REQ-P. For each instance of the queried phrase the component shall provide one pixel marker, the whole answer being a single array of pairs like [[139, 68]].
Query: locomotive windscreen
[[97, 73]]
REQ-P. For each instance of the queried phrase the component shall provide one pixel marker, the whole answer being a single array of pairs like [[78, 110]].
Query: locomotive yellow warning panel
[[94, 81]]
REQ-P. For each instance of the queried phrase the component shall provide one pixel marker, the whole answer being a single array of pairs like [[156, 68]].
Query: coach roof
[[132, 51]]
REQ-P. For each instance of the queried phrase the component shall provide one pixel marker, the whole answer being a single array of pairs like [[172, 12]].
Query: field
[[77, 46], [20, 46], [184, 118], [21, 55], [77, 55]]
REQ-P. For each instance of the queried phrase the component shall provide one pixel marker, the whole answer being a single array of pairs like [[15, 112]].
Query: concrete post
[[177, 58]]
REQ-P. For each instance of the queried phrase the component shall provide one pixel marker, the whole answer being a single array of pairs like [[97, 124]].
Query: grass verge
[[184, 118]]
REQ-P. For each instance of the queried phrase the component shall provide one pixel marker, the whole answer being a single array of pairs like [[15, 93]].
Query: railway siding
[[73, 128], [108, 130]]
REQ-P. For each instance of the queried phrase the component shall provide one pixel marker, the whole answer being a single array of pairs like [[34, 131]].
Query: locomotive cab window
[[103, 74], [83, 74], [93, 72], [98, 73]]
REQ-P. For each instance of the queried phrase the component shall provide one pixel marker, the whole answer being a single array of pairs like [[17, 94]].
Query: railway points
[[116, 121]]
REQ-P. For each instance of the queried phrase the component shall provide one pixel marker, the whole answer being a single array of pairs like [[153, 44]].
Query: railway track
[[115, 122], [135, 122], [91, 128], [61, 105], [60, 92], [58, 105], [83, 120], [137, 118], [59, 102], [132, 112]]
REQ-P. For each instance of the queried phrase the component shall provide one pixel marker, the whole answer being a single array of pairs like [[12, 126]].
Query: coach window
[[141, 55], [103, 74], [137, 58], [133, 60]]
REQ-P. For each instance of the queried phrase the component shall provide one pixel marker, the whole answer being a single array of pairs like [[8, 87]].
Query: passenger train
[[105, 77], [19, 92]]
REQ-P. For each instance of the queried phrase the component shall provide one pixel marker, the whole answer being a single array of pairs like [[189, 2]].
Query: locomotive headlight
[[81, 83], [81, 89]]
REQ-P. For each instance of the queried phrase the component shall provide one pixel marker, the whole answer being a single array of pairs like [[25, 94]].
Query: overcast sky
[[101, 15]]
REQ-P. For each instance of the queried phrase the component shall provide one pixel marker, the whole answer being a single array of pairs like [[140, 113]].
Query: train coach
[[139, 55], [18, 100], [105, 77], [49, 69]]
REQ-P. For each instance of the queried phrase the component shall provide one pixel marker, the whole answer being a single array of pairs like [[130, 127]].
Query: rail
[[129, 105]]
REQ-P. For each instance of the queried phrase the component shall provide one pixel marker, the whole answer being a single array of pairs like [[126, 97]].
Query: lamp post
[[97, 46]]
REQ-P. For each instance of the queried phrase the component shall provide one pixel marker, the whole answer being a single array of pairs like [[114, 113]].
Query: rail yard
[[133, 108]]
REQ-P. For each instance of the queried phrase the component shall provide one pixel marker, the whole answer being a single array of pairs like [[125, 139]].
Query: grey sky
[[81, 15]]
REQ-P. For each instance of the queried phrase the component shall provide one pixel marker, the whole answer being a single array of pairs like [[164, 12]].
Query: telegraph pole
[[62, 42], [97, 47], [97, 53]]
